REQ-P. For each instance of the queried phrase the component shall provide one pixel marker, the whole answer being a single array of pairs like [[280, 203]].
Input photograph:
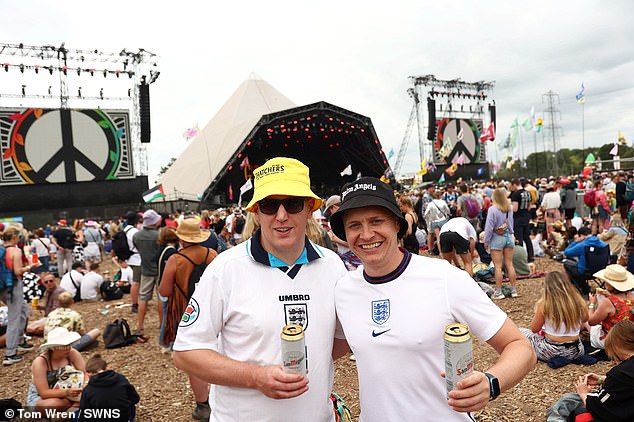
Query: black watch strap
[[494, 386]]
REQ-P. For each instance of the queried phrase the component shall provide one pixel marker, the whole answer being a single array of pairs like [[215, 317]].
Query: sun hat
[[59, 336], [617, 276], [151, 218], [90, 223], [332, 200], [282, 176], [366, 192], [189, 231]]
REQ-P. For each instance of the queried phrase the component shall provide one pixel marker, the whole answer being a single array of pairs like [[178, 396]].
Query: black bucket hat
[[366, 192]]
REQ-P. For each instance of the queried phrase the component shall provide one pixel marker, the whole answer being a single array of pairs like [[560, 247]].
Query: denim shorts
[[32, 397], [500, 242], [438, 224]]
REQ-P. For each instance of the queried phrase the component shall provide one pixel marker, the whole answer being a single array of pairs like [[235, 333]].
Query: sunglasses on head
[[292, 205]]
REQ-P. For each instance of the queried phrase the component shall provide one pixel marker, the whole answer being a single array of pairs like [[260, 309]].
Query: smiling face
[[372, 234], [283, 233]]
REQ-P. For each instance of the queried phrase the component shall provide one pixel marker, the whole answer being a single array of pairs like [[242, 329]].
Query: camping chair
[[596, 260]]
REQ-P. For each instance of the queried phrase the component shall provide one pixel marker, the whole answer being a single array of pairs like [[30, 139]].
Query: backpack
[[629, 193], [118, 334], [472, 206], [239, 225], [194, 278], [590, 198], [120, 245], [6, 275], [110, 291]]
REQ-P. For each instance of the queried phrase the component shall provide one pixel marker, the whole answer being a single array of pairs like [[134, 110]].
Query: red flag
[[488, 134], [245, 162]]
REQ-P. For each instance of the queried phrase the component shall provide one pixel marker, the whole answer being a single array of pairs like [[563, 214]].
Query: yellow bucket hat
[[282, 176]]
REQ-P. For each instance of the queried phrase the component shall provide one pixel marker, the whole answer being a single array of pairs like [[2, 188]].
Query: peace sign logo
[[62, 145], [464, 134]]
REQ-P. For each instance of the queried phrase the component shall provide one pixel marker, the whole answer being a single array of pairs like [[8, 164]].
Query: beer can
[[293, 349], [458, 354], [35, 302]]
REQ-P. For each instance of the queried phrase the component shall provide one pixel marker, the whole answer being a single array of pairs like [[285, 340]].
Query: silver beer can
[[458, 354], [293, 349]]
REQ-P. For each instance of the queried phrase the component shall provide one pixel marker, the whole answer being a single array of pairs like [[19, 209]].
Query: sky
[[357, 55]]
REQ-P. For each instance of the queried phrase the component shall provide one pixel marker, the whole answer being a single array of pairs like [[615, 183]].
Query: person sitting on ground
[[49, 302], [613, 398], [72, 321], [124, 276], [559, 314], [520, 261], [556, 242], [46, 368], [457, 236], [71, 281], [91, 284], [608, 307], [536, 240], [615, 236], [108, 389], [575, 264]]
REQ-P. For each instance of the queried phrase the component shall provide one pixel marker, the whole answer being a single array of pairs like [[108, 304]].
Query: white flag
[[244, 188], [347, 170]]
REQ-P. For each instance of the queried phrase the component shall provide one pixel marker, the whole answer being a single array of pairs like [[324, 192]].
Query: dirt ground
[[165, 393]]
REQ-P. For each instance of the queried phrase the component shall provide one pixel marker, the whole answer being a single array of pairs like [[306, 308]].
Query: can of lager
[[35, 302], [293, 349], [458, 354]]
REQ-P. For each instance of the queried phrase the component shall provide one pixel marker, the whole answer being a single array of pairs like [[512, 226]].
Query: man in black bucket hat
[[394, 311]]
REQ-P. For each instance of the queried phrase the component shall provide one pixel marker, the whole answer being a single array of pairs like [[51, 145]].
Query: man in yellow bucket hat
[[230, 332]]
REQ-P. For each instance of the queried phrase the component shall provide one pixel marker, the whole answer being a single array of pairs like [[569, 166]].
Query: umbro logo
[[375, 334]]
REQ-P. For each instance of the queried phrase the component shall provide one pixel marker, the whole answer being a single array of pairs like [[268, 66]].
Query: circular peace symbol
[[464, 136], [61, 145]]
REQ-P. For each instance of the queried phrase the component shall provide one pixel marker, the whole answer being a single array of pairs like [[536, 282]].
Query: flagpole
[[583, 136], [535, 145]]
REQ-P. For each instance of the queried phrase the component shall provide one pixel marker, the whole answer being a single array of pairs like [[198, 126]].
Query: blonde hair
[[251, 225], [315, 232], [500, 200], [65, 299], [621, 336], [10, 232], [562, 303]]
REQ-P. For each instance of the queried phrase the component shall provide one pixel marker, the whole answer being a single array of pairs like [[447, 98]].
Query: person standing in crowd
[[551, 202], [621, 187], [568, 195], [601, 212], [92, 251], [463, 206], [458, 236], [409, 238], [146, 242], [175, 288], [18, 311], [436, 215], [559, 315], [350, 260], [450, 197], [230, 333], [377, 304], [521, 201], [42, 246], [498, 236], [575, 265], [64, 242], [134, 261]]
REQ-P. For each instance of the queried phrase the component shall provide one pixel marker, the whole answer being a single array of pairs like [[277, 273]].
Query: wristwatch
[[494, 386]]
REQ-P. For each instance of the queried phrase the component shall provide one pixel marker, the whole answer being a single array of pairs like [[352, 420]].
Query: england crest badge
[[296, 313], [381, 311]]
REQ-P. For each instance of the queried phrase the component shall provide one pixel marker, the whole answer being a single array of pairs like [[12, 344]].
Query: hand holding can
[[35, 302], [293, 349]]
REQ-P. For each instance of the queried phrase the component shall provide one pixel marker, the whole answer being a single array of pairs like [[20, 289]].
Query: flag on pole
[[539, 124], [581, 97], [423, 168], [615, 150], [245, 162], [488, 134], [347, 171], [243, 189], [153, 194], [526, 124], [192, 132], [390, 154], [622, 139], [442, 178]]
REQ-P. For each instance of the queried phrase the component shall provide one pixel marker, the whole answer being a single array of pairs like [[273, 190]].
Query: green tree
[[164, 169]]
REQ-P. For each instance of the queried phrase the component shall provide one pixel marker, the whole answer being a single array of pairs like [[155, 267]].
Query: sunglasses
[[292, 205]]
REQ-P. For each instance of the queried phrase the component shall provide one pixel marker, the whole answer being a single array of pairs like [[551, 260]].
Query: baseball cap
[[366, 192], [150, 218], [282, 176], [62, 222], [333, 200]]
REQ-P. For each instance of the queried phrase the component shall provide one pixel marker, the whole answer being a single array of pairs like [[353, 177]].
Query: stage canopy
[[336, 144]]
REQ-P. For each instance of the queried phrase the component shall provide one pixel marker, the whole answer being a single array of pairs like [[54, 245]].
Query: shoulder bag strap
[[70, 274]]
